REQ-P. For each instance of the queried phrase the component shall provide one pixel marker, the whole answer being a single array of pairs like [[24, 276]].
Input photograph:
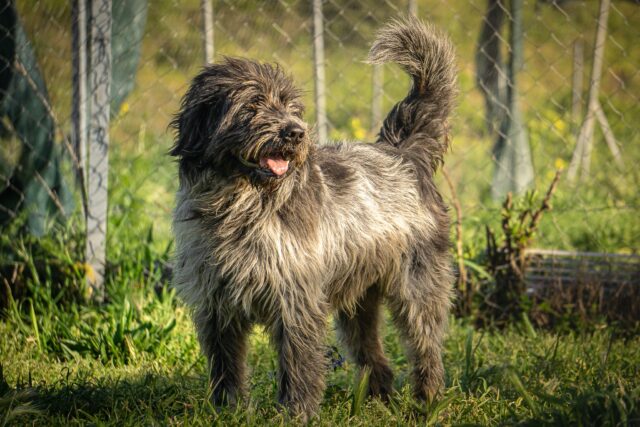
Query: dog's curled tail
[[418, 124]]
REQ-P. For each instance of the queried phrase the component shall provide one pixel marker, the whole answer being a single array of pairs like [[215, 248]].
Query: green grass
[[136, 361]]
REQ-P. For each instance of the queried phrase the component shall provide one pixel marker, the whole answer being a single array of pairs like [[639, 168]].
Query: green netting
[[31, 161], [129, 18]]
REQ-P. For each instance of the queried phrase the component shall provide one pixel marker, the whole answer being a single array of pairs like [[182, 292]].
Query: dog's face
[[242, 117]]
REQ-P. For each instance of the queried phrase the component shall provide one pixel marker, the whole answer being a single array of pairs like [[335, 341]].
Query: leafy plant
[[503, 298]]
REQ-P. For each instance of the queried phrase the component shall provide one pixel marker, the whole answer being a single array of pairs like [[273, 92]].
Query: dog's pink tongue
[[277, 165]]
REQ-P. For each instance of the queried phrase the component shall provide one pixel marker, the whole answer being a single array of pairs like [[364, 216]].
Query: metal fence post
[[413, 7], [207, 29], [79, 102], [376, 97], [100, 89], [318, 68]]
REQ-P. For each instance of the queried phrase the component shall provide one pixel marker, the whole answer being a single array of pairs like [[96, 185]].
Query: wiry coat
[[345, 227]]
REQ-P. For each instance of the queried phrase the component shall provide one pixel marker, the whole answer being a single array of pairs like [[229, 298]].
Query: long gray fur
[[349, 225]]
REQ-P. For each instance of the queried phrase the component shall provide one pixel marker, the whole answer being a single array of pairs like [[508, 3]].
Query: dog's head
[[242, 117]]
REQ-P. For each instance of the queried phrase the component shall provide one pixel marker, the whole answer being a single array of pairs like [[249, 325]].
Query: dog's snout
[[293, 133]]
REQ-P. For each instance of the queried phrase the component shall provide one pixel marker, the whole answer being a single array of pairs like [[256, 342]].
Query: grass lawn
[[136, 361]]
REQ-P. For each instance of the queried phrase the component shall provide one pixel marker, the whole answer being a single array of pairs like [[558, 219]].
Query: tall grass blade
[[528, 327], [480, 270], [360, 392], [517, 383], [434, 410], [34, 324]]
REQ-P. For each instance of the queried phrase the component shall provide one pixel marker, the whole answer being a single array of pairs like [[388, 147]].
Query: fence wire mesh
[[597, 210]]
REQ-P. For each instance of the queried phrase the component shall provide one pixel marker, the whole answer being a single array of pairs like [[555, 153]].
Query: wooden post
[[576, 86], [79, 104], [98, 173], [582, 152], [376, 98], [207, 30], [413, 7], [608, 135], [318, 62]]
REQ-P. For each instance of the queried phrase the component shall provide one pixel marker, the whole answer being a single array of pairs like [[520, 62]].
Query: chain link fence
[[576, 64]]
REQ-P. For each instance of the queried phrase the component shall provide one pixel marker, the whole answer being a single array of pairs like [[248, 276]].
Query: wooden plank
[[575, 281], [558, 252], [548, 267], [584, 265], [583, 270]]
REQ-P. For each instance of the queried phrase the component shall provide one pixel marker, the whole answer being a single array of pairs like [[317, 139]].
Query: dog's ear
[[201, 112]]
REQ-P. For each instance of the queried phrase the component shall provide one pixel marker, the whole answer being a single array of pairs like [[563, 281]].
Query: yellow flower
[[359, 134], [124, 108], [89, 272], [560, 163], [560, 125], [357, 130]]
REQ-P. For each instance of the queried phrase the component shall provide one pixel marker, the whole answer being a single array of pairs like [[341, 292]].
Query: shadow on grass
[[147, 399], [156, 398]]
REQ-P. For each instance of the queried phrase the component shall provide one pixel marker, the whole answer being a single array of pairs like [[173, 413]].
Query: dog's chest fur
[[246, 251]]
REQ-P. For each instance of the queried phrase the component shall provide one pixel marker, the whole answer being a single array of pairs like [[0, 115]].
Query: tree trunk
[[490, 70]]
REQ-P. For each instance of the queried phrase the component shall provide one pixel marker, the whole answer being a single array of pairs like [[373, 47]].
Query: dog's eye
[[251, 109], [296, 111]]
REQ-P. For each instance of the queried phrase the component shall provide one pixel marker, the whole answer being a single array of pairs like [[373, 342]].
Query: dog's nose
[[293, 133]]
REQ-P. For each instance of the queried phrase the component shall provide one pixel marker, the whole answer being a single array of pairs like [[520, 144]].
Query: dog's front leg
[[225, 346], [300, 337]]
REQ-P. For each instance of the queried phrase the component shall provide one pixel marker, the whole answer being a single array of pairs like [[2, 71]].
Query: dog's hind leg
[[420, 307], [360, 333], [225, 347]]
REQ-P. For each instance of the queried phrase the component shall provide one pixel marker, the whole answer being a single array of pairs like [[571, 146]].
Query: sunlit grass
[[81, 365]]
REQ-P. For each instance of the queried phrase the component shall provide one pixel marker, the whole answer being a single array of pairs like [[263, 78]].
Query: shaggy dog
[[272, 228]]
